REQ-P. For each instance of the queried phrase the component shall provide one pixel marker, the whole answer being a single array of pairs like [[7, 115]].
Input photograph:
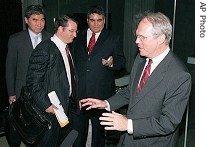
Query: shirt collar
[[60, 44], [89, 33], [33, 35], [160, 57]]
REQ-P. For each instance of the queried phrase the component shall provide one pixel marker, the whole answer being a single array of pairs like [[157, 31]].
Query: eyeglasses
[[72, 31], [141, 37]]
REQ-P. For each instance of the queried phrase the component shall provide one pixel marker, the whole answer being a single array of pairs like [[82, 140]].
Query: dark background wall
[[11, 22], [184, 26], [115, 9]]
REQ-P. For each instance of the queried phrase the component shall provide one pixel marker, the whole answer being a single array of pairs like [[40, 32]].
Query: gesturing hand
[[114, 121], [91, 103]]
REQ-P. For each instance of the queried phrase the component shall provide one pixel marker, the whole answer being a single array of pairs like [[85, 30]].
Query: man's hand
[[51, 109], [114, 121], [90, 103], [12, 99], [108, 62]]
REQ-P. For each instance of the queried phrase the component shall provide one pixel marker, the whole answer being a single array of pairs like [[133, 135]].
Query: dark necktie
[[144, 76], [73, 82], [91, 43]]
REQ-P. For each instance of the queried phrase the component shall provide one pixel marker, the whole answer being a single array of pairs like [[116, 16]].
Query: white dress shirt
[[62, 48], [89, 34], [33, 36]]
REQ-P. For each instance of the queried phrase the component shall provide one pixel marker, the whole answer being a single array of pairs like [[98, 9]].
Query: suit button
[[88, 70]]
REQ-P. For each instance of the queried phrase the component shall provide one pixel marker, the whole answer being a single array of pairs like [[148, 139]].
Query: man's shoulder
[[46, 33], [46, 42], [109, 31], [19, 34], [47, 45]]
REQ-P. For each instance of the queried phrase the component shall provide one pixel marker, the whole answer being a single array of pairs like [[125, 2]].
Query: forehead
[[95, 16], [72, 24], [144, 27], [37, 16]]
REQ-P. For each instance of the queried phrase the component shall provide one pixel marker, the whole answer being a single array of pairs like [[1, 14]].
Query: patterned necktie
[[91, 43], [73, 82], [144, 76]]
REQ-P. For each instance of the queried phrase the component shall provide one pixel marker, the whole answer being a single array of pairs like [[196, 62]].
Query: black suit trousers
[[81, 123]]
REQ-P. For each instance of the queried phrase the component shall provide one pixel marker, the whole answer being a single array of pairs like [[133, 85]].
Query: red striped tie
[[73, 82], [144, 76], [91, 43]]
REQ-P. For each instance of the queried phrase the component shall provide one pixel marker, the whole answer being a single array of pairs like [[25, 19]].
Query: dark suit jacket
[[46, 73], [19, 50], [94, 79], [158, 109]]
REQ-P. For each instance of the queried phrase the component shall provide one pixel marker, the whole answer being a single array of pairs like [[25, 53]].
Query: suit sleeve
[[37, 77], [11, 66]]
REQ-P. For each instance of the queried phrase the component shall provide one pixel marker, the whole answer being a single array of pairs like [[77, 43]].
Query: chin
[[142, 54]]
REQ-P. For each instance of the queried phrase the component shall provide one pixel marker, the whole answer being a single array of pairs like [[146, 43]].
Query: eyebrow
[[95, 19]]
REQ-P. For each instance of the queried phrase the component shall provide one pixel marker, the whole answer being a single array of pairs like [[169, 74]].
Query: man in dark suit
[[156, 110], [20, 47], [50, 70], [95, 70]]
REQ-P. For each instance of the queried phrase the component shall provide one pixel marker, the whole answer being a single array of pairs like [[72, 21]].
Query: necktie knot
[[149, 62]]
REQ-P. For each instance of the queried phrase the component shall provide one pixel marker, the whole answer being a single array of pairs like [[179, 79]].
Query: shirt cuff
[[130, 126], [108, 106]]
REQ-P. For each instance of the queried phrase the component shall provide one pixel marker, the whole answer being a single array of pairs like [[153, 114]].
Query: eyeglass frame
[[72, 31], [142, 38]]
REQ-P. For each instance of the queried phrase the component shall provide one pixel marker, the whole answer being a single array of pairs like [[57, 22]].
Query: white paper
[[60, 111]]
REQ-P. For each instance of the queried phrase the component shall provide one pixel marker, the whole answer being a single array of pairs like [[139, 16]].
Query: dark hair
[[63, 21], [96, 9], [34, 9]]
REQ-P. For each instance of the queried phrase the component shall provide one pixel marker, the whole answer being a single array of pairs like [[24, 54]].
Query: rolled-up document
[[60, 114]]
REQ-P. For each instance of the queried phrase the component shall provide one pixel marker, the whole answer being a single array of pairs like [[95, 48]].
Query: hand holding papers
[[61, 116]]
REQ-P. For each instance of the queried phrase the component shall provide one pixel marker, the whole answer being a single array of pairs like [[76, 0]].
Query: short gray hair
[[161, 24]]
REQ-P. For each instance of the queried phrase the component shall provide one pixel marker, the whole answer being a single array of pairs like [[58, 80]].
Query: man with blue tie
[[20, 47]]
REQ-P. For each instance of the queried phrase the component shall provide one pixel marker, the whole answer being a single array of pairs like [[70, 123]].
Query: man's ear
[[26, 20], [161, 39]]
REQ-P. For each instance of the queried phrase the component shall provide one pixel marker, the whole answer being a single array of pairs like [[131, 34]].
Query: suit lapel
[[27, 41], [154, 79], [101, 39], [54, 50], [138, 75]]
